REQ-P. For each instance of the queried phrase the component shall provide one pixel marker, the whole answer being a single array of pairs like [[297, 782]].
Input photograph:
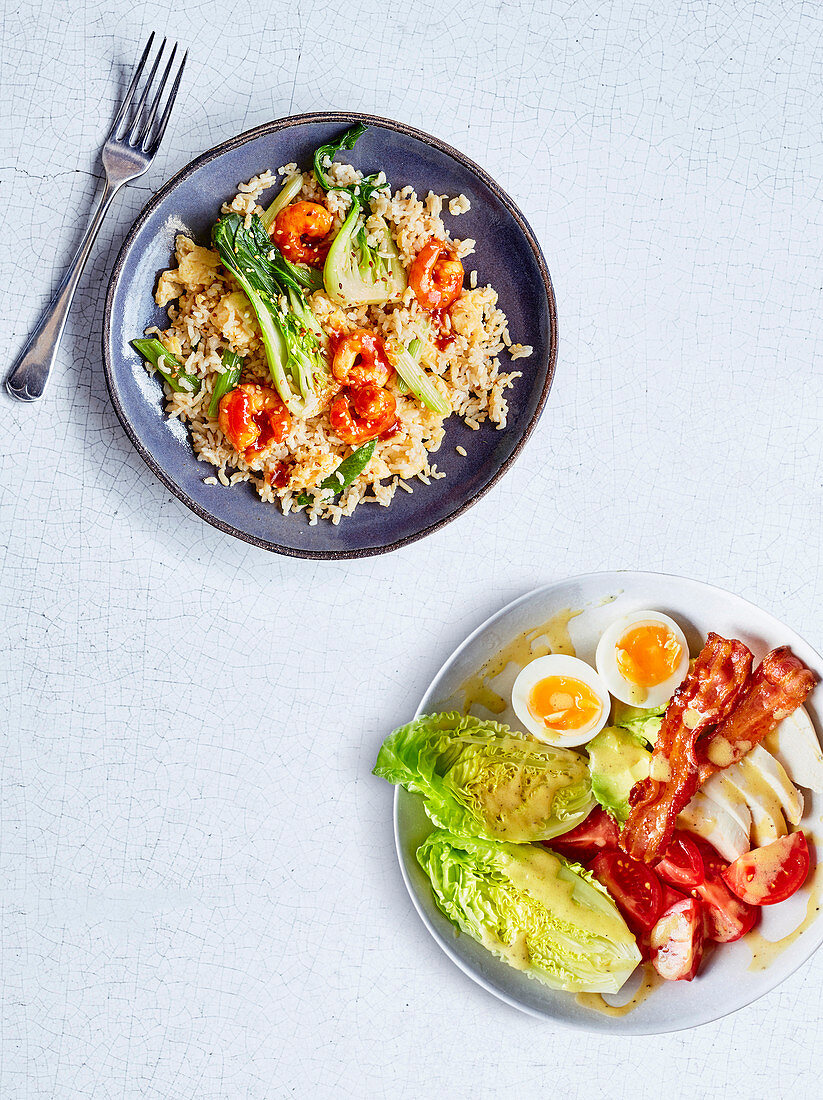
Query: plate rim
[[275, 125], [443, 944]]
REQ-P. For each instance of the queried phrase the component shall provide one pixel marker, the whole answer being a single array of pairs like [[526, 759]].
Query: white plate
[[727, 981]]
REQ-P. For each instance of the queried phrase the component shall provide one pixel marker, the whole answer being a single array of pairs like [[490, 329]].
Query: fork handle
[[31, 370]]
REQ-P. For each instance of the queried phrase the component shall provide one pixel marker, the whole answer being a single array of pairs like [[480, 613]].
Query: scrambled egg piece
[[173, 344], [196, 269], [467, 314], [235, 319], [311, 467]]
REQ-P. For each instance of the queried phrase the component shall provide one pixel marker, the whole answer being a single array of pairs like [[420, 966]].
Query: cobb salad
[[647, 809]]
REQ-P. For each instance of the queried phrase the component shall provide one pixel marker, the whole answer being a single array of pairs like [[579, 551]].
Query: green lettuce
[[533, 909], [480, 778]]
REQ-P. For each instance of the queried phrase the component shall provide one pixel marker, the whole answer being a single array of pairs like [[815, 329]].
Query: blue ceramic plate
[[507, 255]]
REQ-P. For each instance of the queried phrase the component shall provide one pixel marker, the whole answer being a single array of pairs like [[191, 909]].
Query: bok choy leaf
[[363, 265], [276, 289], [168, 366]]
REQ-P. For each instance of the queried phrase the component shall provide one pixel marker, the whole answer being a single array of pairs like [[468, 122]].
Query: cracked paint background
[[200, 895]]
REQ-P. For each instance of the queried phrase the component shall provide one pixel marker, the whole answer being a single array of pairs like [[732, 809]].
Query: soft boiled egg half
[[561, 700], [643, 658]]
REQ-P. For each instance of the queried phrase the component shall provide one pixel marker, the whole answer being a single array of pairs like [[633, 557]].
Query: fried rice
[[209, 314]]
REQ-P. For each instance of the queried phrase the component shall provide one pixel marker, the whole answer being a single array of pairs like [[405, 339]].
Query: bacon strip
[[779, 685], [706, 696]]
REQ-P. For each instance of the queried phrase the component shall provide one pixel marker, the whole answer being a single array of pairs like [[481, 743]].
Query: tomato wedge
[[635, 888], [596, 833], [727, 917], [676, 941], [670, 896], [713, 863], [772, 873], [682, 864]]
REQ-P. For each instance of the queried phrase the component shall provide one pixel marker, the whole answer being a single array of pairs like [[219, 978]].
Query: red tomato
[[676, 941], [727, 917], [591, 836], [772, 873], [635, 888], [643, 946], [670, 896], [682, 864], [713, 863]]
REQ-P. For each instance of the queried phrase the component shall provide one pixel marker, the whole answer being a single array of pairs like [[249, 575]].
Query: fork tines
[[137, 123]]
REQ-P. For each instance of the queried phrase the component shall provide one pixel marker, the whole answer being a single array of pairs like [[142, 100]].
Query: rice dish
[[460, 350]]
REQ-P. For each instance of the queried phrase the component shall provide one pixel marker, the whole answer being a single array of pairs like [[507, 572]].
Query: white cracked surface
[[200, 895]]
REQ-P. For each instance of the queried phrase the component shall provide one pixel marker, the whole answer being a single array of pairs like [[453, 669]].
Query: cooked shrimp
[[436, 275], [251, 417], [298, 229], [363, 414], [360, 360]]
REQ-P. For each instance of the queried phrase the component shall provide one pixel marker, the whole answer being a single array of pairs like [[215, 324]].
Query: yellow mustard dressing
[[596, 1002], [516, 953], [745, 781], [540, 873], [764, 951], [551, 637], [517, 802]]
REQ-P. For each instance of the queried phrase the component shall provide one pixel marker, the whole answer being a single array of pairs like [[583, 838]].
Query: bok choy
[[168, 366], [348, 471], [277, 289], [363, 265], [414, 378], [227, 379], [289, 191]]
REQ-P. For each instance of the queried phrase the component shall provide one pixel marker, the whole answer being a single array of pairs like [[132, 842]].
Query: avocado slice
[[617, 760]]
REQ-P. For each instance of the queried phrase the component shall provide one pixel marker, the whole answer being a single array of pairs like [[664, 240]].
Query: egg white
[[556, 664], [623, 689]]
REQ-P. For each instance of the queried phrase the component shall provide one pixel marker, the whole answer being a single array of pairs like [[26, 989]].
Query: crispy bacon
[[779, 685], [706, 696]]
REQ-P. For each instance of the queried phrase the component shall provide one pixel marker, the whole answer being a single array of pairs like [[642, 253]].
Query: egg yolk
[[648, 654], [563, 703]]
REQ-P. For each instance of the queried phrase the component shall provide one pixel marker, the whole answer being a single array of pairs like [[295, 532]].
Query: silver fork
[[130, 148]]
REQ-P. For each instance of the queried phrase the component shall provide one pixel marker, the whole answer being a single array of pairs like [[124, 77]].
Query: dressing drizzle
[[764, 951], [552, 637], [596, 1002]]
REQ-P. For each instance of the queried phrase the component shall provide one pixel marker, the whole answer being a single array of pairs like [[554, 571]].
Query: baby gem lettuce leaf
[[533, 909], [481, 779]]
